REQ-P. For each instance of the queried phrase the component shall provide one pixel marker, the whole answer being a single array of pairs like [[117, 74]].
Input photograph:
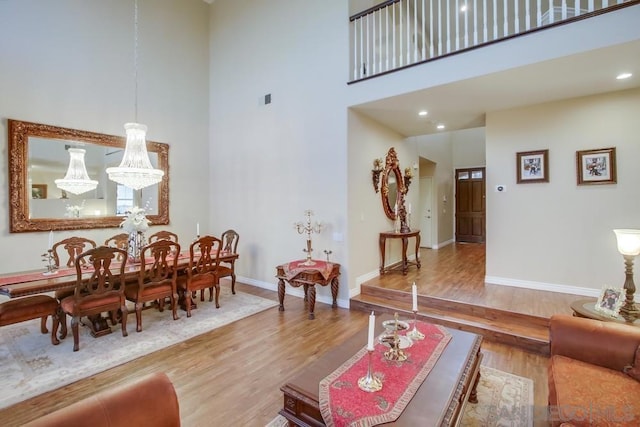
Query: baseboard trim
[[541, 286]]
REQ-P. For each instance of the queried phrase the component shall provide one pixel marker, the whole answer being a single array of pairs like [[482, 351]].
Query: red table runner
[[343, 403], [294, 268], [31, 276]]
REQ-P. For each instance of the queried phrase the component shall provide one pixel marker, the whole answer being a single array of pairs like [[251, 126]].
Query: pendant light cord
[[135, 60]]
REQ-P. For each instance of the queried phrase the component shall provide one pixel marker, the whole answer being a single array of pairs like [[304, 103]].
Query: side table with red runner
[[307, 274]]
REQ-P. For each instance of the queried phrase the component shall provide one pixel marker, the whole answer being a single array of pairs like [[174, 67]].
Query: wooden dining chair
[[67, 250], [102, 292], [120, 241], [157, 278], [163, 235], [204, 258], [230, 240], [71, 247]]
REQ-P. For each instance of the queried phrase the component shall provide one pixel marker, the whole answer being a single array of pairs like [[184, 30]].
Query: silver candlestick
[[415, 334], [52, 268], [369, 383]]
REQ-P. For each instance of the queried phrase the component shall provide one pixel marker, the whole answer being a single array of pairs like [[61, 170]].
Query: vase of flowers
[[135, 223]]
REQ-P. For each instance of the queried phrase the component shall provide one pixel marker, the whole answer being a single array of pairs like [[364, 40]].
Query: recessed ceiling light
[[623, 76], [463, 8], [440, 126], [423, 113]]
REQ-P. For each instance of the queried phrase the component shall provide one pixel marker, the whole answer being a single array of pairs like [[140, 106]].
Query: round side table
[[586, 308]]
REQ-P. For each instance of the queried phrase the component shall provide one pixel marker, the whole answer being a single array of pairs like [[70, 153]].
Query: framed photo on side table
[[610, 301], [596, 166], [532, 166]]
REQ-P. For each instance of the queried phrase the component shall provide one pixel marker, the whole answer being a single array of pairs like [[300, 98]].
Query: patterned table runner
[[294, 268], [343, 403], [31, 276]]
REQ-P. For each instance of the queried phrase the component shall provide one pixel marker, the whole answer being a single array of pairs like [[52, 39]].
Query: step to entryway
[[524, 331]]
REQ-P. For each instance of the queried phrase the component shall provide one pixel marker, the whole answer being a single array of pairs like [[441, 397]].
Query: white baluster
[[394, 35], [552, 17], [424, 32], [457, 26], [495, 19], [485, 24], [505, 23], [361, 62], [527, 19], [431, 54], [386, 18], [590, 6], [476, 18], [448, 27], [539, 14], [516, 21], [415, 31], [440, 29]]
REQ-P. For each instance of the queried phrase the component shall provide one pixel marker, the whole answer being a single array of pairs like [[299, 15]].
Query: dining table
[[20, 284]]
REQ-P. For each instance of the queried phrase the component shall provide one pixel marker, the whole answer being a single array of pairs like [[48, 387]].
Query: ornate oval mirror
[[392, 185], [39, 154]]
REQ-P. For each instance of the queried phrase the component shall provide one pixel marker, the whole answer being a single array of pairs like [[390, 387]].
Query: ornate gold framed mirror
[[391, 185], [38, 154]]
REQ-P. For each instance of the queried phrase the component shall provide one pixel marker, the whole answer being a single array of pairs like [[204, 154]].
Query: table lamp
[[629, 247]]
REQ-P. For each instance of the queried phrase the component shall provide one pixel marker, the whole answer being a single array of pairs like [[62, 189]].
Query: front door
[[470, 205]]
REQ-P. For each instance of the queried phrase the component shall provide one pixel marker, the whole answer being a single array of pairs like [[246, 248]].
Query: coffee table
[[439, 401]]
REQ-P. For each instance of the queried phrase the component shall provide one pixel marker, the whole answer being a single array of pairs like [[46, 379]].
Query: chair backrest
[[120, 241], [73, 246], [158, 263], [204, 255], [105, 277], [163, 235], [230, 241]]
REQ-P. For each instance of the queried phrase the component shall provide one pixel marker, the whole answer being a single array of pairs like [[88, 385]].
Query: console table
[[405, 242], [439, 401], [298, 274]]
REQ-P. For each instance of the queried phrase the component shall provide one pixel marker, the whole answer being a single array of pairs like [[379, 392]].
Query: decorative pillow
[[634, 371]]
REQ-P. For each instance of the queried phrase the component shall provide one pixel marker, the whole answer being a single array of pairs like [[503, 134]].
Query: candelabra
[[375, 173], [327, 253], [369, 382], [52, 268], [415, 334], [309, 229]]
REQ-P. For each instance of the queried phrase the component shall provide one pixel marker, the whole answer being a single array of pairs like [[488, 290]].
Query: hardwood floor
[[232, 375], [457, 272]]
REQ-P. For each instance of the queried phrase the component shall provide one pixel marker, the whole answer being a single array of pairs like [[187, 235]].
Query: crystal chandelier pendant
[[77, 179], [135, 170]]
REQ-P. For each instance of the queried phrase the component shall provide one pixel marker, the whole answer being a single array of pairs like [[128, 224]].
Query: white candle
[[197, 229], [414, 291], [372, 325], [395, 209], [409, 211], [51, 239]]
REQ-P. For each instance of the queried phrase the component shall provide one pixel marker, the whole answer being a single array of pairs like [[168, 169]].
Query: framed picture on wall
[[532, 166], [610, 300], [596, 166], [38, 191]]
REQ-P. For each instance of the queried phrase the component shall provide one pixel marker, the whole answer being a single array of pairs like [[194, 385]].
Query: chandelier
[[135, 170], [77, 179]]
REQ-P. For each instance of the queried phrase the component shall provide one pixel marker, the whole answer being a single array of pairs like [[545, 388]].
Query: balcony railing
[[399, 33]]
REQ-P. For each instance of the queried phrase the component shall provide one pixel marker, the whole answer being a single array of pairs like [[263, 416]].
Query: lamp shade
[[628, 241], [77, 179], [135, 170]]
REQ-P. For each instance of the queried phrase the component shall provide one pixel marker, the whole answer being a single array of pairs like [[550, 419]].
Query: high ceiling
[[464, 104]]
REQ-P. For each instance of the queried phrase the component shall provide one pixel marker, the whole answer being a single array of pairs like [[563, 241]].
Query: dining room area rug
[[504, 400], [31, 365]]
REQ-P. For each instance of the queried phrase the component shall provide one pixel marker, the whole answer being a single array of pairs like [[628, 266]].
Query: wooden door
[[470, 205]]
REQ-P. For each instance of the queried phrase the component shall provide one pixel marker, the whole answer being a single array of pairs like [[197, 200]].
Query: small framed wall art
[[596, 166], [610, 300], [39, 191], [532, 166]]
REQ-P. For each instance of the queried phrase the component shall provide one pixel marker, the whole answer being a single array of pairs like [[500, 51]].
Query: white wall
[[70, 63], [559, 235], [269, 163]]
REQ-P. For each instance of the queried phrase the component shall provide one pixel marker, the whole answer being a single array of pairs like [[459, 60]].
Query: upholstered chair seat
[[29, 308]]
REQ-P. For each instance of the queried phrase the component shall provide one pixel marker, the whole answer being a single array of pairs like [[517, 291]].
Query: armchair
[[587, 385]]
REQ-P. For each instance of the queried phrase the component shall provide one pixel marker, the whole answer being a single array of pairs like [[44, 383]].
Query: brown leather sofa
[[147, 401], [587, 385]]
